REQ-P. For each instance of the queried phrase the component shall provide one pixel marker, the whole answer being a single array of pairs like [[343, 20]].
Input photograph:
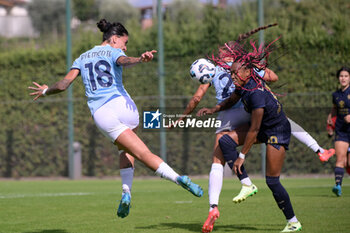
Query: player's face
[[239, 74], [344, 79], [121, 42]]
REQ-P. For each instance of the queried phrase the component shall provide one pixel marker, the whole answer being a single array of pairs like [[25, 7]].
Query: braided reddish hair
[[250, 58], [233, 49]]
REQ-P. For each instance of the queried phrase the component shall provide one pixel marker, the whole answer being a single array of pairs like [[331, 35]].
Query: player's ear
[[114, 39]]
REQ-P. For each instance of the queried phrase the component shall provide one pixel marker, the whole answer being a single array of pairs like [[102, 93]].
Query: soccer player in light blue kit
[[112, 108]]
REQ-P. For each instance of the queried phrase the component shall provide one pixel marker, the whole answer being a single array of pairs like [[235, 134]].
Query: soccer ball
[[202, 70]]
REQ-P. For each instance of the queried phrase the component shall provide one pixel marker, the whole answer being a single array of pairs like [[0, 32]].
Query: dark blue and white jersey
[[341, 99], [262, 97], [101, 75]]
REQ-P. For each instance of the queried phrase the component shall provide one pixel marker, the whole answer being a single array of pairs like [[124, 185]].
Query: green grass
[[64, 206]]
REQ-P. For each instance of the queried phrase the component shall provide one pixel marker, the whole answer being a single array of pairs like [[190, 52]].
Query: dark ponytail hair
[[111, 29], [344, 68], [239, 53], [248, 34]]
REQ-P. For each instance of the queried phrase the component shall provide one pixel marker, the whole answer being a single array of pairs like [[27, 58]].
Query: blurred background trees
[[48, 17], [315, 43]]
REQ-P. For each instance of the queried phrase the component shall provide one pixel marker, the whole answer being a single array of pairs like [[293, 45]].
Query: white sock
[[167, 172], [215, 183], [304, 137], [246, 181], [294, 219], [127, 175]]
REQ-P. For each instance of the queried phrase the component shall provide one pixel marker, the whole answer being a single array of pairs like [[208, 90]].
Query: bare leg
[[274, 160], [341, 150], [131, 143]]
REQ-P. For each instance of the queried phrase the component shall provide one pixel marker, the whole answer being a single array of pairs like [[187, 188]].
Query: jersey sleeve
[[116, 54], [257, 99], [76, 64]]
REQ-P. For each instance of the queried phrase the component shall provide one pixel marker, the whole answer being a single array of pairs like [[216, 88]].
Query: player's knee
[[227, 143], [228, 148]]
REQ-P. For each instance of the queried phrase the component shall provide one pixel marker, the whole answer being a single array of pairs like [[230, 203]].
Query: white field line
[[183, 202], [11, 196]]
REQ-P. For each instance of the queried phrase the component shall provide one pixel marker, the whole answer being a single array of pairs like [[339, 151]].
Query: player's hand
[[147, 56], [205, 111], [330, 132], [38, 90], [347, 119], [237, 165], [329, 120]]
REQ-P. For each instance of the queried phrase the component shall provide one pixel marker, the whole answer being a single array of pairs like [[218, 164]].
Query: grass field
[[63, 206]]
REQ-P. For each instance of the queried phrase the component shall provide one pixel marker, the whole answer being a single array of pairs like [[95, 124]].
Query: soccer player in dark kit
[[269, 124]]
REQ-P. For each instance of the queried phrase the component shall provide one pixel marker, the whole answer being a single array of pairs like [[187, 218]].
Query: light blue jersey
[[224, 86], [101, 76]]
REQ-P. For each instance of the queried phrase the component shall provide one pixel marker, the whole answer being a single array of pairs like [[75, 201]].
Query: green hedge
[[33, 136]]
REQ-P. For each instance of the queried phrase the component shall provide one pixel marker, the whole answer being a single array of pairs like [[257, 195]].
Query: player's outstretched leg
[[128, 139], [245, 192], [292, 227], [124, 205], [187, 184], [324, 157], [209, 223]]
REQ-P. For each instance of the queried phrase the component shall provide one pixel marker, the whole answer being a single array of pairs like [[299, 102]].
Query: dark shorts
[[342, 136], [277, 136]]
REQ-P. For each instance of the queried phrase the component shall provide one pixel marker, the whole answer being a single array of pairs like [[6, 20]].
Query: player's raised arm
[[62, 85], [130, 61], [196, 98]]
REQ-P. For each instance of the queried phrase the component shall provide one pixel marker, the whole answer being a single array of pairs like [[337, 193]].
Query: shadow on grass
[[48, 231], [195, 227]]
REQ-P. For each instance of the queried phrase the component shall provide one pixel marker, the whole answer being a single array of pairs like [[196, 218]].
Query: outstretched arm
[[257, 115], [130, 61], [226, 104], [62, 85], [196, 98], [202, 89]]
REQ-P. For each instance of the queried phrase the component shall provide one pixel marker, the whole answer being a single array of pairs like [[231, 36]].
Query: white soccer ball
[[202, 70]]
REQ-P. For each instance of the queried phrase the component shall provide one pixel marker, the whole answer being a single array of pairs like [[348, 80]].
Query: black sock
[[339, 174], [281, 196]]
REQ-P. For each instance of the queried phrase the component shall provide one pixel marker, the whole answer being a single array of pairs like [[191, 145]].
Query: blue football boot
[[124, 205], [187, 184]]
